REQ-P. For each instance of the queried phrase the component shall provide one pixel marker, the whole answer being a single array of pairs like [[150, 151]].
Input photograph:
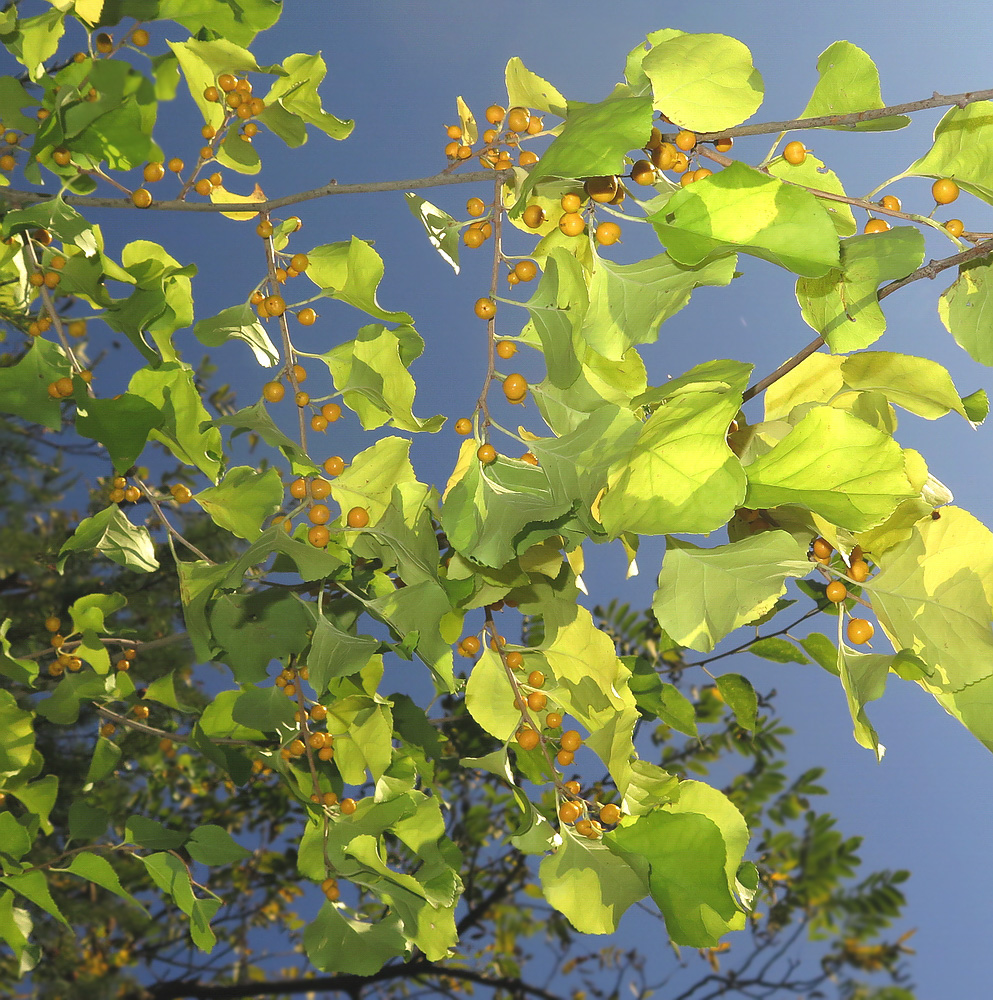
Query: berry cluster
[[859, 630], [497, 143]]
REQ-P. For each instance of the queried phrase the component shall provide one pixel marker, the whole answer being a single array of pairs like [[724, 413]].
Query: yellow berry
[[944, 191], [794, 152]]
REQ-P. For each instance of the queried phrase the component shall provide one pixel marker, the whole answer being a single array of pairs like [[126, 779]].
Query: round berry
[[569, 812], [794, 152], [836, 592], [518, 119], [495, 114], [318, 536], [686, 140], [318, 423], [348, 806], [334, 466], [506, 349], [724, 144], [298, 488], [822, 549], [203, 186], [475, 207], [891, 202], [485, 308], [515, 388], [642, 172], [553, 720], [602, 189], [175, 164], [571, 223], [275, 305], [358, 517], [264, 228], [527, 158], [533, 216], [473, 238], [607, 233], [141, 198], [610, 813], [463, 426], [859, 631], [331, 412], [858, 570], [273, 391], [955, 227], [320, 488], [181, 494], [875, 226], [944, 191], [565, 758], [665, 156], [528, 739], [537, 701], [514, 660], [486, 453], [525, 270], [571, 740]]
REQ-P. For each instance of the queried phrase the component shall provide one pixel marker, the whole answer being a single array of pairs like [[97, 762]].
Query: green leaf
[[106, 755], [36, 40], [489, 698], [62, 705], [24, 385], [741, 208], [690, 850], [835, 464], [337, 943], [351, 272], [371, 373], [15, 838], [238, 323], [593, 141], [238, 21], [933, 596], [254, 628], [185, 428], [592, 680], [212, 845], [842, 306], [528, 90], [628, 302], [243, 500], [812, 173], [98, 869], [688, 91], [13, 96], [822, 651], [218, 719], [18, 670], [363, 732], [442, 229], [87, 822], [334, 653], [113, 535], [16, 735], [849, 81], [919, 385], [963, 308], [706, 593], [152, 834], [89, 613], [777, 650], [863, 676], [590, 884], [264, 709], [740, 697], [962, 150], [557, 311], [297, 93], [37, 797], [121, 425], [15, 929], [171, 876], [977, 406], [34, 886], [256, 419], [680, 475]]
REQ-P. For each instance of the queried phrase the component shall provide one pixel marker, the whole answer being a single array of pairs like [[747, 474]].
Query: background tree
[[399, 570]]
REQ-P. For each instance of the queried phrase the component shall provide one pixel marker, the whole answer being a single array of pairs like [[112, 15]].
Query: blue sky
[[396, 68]]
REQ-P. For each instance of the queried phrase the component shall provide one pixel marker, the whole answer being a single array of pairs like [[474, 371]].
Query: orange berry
[[486, 453], [358, 517], [331, 412], [471, 645], [527, 158], [495, 114], [602, 189], [875, 226], [515, 388], [891, 202], [318, 536], [607, 233], [686, 140], [301, 398], [536, 679], [571, 223], [334, 466], [836, 592], [610, 813], [264, 228], [724, 144], [203, 186], [348, 806], [211, 94], [473, 238], [859, 631], [944, 191], [858, 570], [822, 548], [642, 172], [569, 812], [175, 164], [485, 308], [955, 227], [141, 198], [537, 701], [514, 660], [475, 207], [320, 488], [571, 202], [794, 152], [273, 391], [463, 426], [298, 488], [553, 720], [227, 82], [518, 119], [506, 349], [533, 216], [665, 156], [529, 458], [565, 758], [318, 423], [571, 740], [320, 514], [525, 270], [528, 739]]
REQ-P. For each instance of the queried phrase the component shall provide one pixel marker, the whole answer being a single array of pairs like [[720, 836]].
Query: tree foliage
[[414, 811]]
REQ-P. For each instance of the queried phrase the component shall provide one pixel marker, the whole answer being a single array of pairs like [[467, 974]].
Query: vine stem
[[142, 727]]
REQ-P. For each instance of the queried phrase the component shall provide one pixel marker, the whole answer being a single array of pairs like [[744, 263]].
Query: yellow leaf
[[220, 196], [89, 10]]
